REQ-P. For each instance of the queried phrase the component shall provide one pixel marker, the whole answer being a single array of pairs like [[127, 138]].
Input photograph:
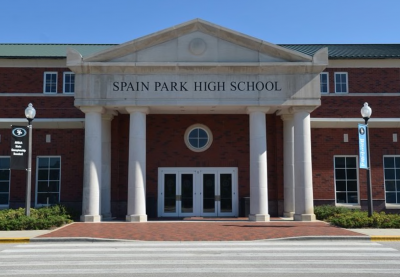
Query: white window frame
[[204, 128], [5, 206], [37, 180], [352, 205], [327, 82], [69, 84], [397, 179], [44, 81], [340, 83]]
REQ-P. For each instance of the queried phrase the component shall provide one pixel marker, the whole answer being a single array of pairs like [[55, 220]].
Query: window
[[391, 165], [48, 180], [324, 80], [4, 181], [346, 179], [69, 82], [50, 82], [341, 85], [198, 138]]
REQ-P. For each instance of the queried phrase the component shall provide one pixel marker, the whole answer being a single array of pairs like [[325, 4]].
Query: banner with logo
[[19, 147], [363, 148]]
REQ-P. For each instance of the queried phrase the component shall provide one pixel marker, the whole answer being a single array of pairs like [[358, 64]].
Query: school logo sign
[[19, 148]]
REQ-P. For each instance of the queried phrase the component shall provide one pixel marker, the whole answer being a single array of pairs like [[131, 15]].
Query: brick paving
[[198, 230]]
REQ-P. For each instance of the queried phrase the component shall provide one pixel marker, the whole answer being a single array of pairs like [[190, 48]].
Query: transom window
[[4, 181], [324, 81], [69, 82], [346, 179], [341, 84], [392, 179], [48, 180], [50, 82], [198, 137]]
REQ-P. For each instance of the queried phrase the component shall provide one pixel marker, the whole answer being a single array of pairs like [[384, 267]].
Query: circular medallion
[[197, 46]]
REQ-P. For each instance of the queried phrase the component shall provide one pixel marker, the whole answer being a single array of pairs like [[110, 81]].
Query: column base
[[136, 218], [259, 217], [288, 214], [90, 218], [304, 217], [106, 217]]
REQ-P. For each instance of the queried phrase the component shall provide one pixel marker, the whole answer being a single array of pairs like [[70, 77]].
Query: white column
[[258, 165], [137, 165], [92, 165], [106, 166], [288, 165], [304, 201]]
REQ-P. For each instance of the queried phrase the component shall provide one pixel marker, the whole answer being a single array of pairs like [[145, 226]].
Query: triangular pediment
[[197, 41]]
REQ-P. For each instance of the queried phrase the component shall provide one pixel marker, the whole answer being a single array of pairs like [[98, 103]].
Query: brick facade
[[230, 147]]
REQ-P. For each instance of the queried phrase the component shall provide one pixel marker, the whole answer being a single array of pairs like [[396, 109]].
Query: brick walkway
[[196, 230]]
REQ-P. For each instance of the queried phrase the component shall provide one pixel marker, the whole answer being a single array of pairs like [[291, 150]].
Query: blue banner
[[362, 142]]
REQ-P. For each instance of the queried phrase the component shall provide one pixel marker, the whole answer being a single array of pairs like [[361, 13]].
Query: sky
[[275, 21]]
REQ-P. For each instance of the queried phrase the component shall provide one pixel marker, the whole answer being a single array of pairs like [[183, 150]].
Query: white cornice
[[45, 123], [352, 122]]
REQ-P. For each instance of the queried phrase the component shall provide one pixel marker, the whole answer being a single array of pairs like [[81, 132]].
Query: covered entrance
[[197, 192]]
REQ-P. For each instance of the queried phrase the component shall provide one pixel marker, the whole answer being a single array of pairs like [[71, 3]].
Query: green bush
[[39, 219], [326, 211], [347, 218]]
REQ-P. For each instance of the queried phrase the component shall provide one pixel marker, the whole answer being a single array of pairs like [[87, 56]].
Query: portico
[[198, 68]]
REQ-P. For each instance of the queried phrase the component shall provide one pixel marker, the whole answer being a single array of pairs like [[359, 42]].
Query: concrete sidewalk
[[199, 230]]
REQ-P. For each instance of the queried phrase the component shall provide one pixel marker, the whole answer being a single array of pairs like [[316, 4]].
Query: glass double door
[[197, 192]]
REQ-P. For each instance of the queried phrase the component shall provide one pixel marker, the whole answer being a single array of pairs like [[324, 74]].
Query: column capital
[[299, 109], [286, 117], [144, 110], [108, 115], [257, 109], [92, 109]]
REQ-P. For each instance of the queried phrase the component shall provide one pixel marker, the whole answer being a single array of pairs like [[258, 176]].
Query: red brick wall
[[350, 106], [166, 148], [368, 80], [326, 143], [46, 107], [67, 143], [27, 80]]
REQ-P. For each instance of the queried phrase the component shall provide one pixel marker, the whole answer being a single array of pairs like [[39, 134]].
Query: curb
[[14, 240], [385, 238]]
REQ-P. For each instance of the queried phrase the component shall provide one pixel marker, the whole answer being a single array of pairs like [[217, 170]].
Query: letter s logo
[[19, 132]]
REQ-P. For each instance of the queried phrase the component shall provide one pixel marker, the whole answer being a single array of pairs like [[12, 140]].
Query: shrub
[[326, 211], [39, 219], [346, 218]]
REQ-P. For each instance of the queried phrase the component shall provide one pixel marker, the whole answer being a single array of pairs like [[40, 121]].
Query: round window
[[198, 138]]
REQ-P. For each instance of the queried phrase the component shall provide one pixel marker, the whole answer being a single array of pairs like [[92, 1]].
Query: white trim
[[352, 205], [204, 128], [44, 81], [347, 82], [197, 173], [64, 82], [390, 205], [9, 185], [327, 82], [318, 122], [45, 123], [37, 175]]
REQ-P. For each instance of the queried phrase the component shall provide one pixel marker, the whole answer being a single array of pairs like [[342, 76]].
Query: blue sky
[[278, 21]]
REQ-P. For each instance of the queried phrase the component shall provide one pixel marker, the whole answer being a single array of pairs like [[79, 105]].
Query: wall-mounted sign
[[19, 147]]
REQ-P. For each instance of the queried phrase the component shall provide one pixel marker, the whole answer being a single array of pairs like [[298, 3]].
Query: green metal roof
[[350, 51], [48, 50], [336, 51]]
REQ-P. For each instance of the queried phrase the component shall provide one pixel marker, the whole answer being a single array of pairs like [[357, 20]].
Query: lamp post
[[30, 113], [366, 112]]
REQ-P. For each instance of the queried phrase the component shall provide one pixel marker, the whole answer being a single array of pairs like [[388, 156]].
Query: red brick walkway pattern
[[198, 230]]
